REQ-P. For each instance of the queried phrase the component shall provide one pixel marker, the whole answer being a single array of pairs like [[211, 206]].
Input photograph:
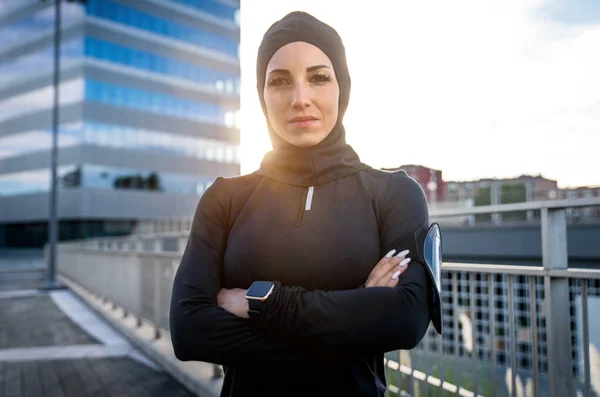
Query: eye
[[277, 81], [320, 78]]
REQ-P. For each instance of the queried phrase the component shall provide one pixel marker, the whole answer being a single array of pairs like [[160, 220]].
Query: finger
[[373, 276], [395, 272], [384, 260], [392, 282], [384, 267], [381, 270]]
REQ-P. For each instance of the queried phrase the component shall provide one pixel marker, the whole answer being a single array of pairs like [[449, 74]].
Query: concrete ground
[[52, 344]]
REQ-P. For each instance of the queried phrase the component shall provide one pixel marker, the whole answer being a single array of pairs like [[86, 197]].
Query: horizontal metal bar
[[575, 273], [447, 266], [526, 206], [490, 268], [140, 236], [522, 270]]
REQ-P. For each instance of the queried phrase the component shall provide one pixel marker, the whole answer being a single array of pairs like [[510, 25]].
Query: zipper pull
[[309, 198], [307, 204]]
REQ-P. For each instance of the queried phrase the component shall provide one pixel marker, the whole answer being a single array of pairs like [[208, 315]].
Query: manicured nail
[[403, 253], [395, 275], [389, 254], [404, 262]]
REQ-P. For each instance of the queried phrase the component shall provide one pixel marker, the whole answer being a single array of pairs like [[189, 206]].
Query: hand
[[387, 272], [234, 301]]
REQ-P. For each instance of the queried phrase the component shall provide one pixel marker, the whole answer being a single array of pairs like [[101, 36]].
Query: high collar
[[312, 166]]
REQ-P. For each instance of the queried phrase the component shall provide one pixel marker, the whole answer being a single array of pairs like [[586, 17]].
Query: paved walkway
[[52, 344]]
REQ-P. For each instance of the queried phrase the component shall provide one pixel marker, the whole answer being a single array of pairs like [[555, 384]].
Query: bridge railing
[[500, 339], [577, 211], [530, 324], [508, 330]]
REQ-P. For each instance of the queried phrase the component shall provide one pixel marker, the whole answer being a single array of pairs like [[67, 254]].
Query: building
[[504, 191], [582, 214], [431, 181], [149, 99]]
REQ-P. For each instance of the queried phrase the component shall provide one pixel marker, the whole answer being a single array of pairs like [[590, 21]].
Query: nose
[[301, 98]]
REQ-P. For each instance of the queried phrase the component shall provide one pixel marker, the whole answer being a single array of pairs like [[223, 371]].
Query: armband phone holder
[[432, 253]]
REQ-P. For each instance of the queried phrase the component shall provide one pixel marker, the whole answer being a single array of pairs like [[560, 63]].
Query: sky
[[476, 89]]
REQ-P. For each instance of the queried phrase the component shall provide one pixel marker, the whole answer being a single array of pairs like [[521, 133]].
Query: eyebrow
[[308, 69]]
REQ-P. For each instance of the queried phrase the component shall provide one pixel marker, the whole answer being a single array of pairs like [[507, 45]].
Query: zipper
[[305, 204]]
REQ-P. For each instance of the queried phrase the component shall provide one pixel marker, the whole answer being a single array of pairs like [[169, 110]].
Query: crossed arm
[[296, 323]]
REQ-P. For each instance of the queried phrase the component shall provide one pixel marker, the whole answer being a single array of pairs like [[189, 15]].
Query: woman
[[282, 280]]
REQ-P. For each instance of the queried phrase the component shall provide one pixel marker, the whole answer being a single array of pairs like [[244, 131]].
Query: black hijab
[[332, 158]]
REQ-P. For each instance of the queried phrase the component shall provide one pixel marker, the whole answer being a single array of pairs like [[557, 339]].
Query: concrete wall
[[140, 282], [517, 243]]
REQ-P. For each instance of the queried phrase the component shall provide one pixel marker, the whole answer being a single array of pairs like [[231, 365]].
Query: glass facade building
[[149, 112]]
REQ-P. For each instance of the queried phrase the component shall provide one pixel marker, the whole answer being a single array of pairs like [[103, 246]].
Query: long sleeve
[[200, 329], [375, 319]]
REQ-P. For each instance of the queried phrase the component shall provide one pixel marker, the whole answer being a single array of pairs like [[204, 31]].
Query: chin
[[306, 139]]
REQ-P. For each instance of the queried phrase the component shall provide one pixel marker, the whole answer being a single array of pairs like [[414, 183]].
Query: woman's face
[[301, 94]]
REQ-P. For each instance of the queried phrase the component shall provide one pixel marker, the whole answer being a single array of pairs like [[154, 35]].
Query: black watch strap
[[254, 307]]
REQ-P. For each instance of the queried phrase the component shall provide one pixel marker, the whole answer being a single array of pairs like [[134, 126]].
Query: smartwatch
[[258, 292]]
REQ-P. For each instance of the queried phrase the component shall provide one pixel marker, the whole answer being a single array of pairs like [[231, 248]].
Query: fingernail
[[395, 275], [404, 262], [389, 254], [403, 253]]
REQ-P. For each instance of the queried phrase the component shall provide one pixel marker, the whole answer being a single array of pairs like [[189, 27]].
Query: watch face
[[259, 289]]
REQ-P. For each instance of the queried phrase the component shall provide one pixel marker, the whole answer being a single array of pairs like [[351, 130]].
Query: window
[[40, 99], [28, 182], [35, 24], [163, 142], [39, 62], [213, 7], [154, 102], [120, 13], [158, 64], [237, 17], [101, 177], [39, 140]]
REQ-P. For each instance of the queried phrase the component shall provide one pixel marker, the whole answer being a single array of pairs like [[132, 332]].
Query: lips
[[303, 121]]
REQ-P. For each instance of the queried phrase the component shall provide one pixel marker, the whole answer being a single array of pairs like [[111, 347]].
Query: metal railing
[[508, 330], [517, 320], [465, 213], [499, 338]]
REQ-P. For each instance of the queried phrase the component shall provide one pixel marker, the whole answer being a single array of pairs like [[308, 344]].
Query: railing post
[[157, 244], [495, 200], [557, 303], [156, 305]]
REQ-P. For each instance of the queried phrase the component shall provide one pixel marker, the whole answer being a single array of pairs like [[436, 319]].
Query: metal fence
[[513, 330], [508, 330], [469, 213], [505, 334]]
